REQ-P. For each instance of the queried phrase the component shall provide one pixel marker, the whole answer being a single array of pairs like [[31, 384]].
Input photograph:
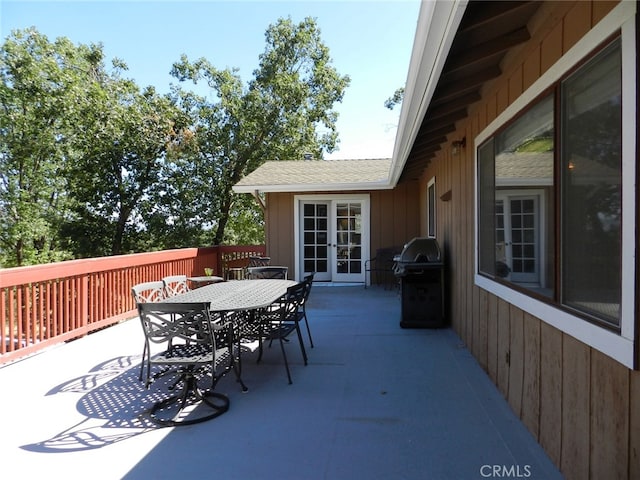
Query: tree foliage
[[282, 113], [395, 99], [38, 80], [121, 157], [92, 165]]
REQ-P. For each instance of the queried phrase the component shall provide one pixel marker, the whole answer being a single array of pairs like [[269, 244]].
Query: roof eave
[[380, 185], [437, 26]]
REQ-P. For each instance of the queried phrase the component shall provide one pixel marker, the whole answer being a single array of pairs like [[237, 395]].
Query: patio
[[376, 401]]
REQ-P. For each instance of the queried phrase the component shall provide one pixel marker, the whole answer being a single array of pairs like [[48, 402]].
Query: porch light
[[456, 145]]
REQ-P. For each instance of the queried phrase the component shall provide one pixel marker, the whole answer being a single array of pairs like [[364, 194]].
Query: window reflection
[[592, 186], [521, 168], [524, 200]]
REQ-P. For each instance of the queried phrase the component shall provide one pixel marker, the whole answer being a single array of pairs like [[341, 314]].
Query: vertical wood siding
[[582, 406], [394, 217]]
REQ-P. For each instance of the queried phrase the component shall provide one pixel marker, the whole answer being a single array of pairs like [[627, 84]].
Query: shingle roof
[[524, 168], [307, 175]]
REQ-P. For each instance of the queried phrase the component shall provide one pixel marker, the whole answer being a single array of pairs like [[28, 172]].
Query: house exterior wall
[[581, 405], [394, 217]]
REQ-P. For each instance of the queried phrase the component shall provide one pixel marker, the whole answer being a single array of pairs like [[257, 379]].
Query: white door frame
[[333, 200], [540, 231]]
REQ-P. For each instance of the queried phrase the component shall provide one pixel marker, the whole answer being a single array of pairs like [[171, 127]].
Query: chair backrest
[[148, 292], [234, 269], [175, 285], [384, 256], [270, 272], [167, 322], [308, 282], [259, 261], [293, 300]]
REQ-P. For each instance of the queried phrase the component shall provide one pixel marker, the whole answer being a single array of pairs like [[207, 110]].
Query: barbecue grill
[[420, 269]]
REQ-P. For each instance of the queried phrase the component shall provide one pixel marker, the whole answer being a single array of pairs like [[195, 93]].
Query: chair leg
[[302, 349], [306, 322], [286, 363], [144, 356], [237, 366], [190, 389]]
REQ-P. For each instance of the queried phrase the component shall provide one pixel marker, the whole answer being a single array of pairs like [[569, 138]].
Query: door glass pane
[[348, 237], [342, 210], [522, 225], [315, 237], [592, 186], [309, 210]]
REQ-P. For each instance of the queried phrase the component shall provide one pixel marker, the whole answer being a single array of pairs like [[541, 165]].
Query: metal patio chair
[[255, 261], [175, 285], [280, 320], [145, 293], [308, 282], [267, 272], [380, 267], [195, 345]]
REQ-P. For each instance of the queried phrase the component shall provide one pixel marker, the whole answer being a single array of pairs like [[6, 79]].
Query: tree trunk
[[19, 251], [225, 211], [116, 246]]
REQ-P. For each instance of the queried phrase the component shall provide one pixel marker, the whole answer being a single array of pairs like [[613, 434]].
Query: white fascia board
[[321, 187], [438, 23]]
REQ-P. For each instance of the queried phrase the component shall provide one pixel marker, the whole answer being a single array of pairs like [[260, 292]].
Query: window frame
[[620, 345], [432, 205]]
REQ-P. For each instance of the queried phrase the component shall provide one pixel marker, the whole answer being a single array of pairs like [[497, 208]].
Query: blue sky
[[369, 40]]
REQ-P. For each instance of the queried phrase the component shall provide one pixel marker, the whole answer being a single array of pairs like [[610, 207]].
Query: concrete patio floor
[[375, 402]]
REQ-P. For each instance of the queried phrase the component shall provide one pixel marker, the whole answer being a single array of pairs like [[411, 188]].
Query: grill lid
[[419, 254], [421, 250]]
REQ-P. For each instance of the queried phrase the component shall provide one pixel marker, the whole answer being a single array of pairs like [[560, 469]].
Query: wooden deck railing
[[42, 305]]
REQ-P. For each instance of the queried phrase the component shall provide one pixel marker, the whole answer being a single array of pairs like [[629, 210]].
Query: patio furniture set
[[201, 334]]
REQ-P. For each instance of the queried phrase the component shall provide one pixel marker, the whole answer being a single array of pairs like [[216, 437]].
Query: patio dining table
[[238, 300], [236, 295]]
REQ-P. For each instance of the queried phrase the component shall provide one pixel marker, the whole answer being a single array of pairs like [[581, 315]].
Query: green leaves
[[90, 164], [35, 88], [276, 116]]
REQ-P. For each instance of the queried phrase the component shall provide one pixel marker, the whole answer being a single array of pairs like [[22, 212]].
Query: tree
[[395, 99], [120, 157], [284, 112], [39, 83], [92, 165]]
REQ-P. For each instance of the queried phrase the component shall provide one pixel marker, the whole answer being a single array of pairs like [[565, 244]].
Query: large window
[[550, 194]]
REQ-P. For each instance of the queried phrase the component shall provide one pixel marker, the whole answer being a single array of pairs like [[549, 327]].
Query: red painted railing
[[42, 305]]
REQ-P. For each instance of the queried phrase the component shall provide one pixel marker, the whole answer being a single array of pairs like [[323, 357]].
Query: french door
[[518, 237], [332, 237]]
